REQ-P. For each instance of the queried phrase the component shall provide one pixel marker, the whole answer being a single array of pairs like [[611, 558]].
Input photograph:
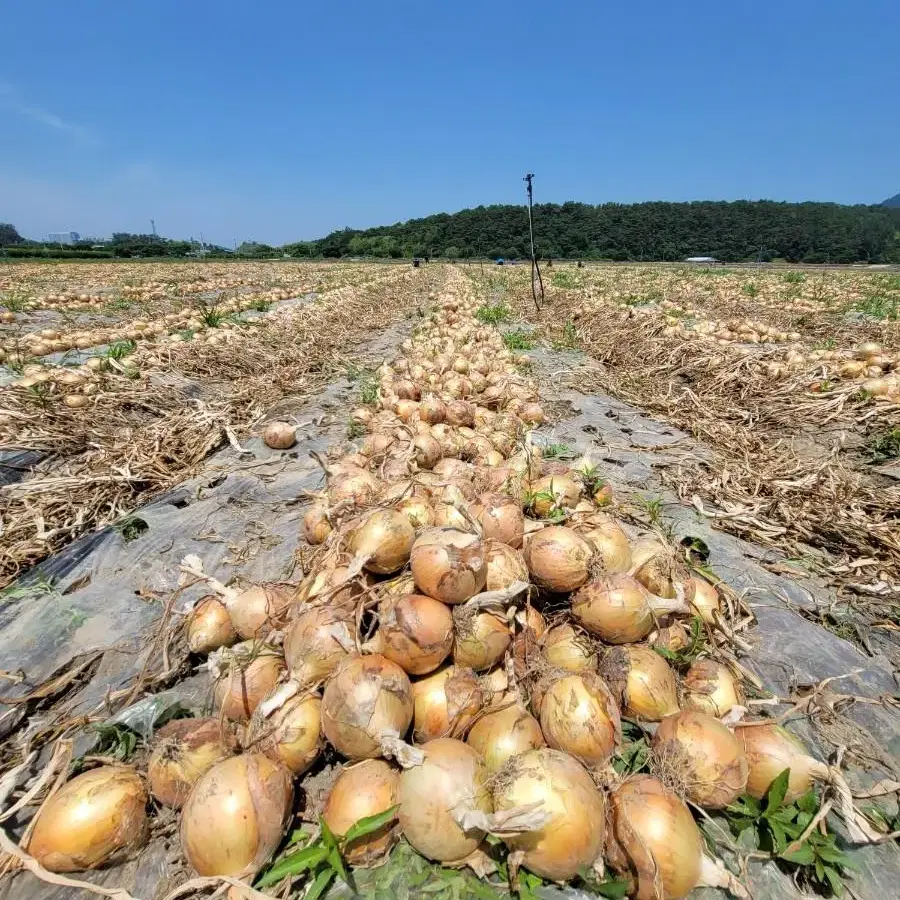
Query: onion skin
[[565, 648], [642, 681], [711, 687], [316, 526], [209, 626], [416, 632], [770, 749], [446, 703], [558, 558], [316, 642], [653, 837], [615, 608], [703, 756], [448, 565], [572, 839], [236, 815], [452, 774], [366, 697], [364, 789], [705, 600], [183, 750], [504, 564], [259, 609], [97, 818], [252, 673], [385, 539], [292, 735], [579, 716], [502, 520], [498, 736], [482, 639]]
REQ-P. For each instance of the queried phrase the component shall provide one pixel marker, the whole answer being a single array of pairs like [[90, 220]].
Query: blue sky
[[278, 121]]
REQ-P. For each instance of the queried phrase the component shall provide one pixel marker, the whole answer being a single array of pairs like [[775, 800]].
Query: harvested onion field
[[365, 580]]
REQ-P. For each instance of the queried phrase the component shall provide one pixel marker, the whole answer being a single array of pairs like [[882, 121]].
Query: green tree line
[[742, 230]]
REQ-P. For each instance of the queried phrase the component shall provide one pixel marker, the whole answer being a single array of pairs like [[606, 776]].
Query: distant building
[[701, 259], [63, 237]]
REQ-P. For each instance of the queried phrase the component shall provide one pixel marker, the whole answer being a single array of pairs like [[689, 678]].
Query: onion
[[653, 838], [97, 818], [573, 828], [384, 541], [279, 435], [672, 637], [482, 638], [416, 632], [447, 515], [428, 451], [292, 735], [337, 586], [567, 649], [316, 642], [460, 413], [701, 757], [500, 735], [609, 542], [234, 818], [558, 558], [770, 749], [259, 609], [711, 687], [446, 703], [579, 716], [182, 751], [705, 600], [642, 682], [244, 674], [450, 780], [656, 568], [357, 487], [209, 626], [450, 468], [448, 565], [554, 492], [365, 789], [316, 525], [532, 414], [367, 706], [502, 520], [616, 608], [504, 564]]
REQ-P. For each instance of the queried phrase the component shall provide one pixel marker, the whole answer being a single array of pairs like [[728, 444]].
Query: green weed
[[518, 340], [494, 313], [568, 340], [120, 349], [131, 528], [355, 430], [885, 445], [557, 451], [750, 290], [776, 827], [564, 279], [793, 277], [879, 307], [14, 301]]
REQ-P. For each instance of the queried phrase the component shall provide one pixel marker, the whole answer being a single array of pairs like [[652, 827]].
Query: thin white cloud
[[11, 100]]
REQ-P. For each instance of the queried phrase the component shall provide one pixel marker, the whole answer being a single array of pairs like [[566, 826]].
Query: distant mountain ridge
[[892, 201]]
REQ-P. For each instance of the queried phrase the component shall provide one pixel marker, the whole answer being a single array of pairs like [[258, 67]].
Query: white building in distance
[[63, 237]]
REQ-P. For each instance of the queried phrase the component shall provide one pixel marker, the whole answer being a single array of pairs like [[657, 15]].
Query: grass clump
[[518, 340], [494, 313]]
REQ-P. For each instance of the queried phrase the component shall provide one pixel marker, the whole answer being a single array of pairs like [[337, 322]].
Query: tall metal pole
[[535, 268]]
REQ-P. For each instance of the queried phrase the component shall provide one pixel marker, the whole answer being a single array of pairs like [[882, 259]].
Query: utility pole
[[153, 227], [537, 286]]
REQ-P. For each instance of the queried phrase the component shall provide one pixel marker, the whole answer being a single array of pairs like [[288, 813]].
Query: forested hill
[[799, 232]]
